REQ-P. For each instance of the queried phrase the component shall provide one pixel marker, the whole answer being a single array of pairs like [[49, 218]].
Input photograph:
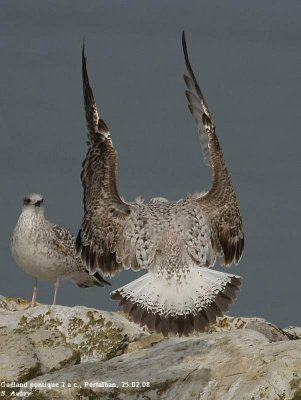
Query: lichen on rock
[[236, 359], [48, 338]]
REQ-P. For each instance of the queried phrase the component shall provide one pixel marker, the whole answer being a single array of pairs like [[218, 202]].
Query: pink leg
[[56, 286], [34, 294]]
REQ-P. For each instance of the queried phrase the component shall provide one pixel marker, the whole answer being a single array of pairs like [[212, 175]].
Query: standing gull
[[47, 251], [176, 242]]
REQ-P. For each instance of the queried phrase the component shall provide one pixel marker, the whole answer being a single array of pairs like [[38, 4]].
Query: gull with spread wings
[[176, 242]]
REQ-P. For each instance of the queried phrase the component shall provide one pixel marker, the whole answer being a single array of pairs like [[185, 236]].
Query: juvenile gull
[[47, 251], [176, 242]]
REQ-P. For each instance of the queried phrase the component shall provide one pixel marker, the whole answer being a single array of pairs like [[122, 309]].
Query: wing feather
[[104, 210], [64, 242], [220, 203]]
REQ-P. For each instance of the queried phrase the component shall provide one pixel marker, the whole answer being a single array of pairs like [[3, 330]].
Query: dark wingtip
[[78, 243], [101, 280], [184, 46], [83, 53], [189, 68], [87, 91], [86, 83], [84, 61], [187, 62]]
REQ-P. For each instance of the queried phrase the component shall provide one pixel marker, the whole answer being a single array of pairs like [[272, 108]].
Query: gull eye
[[26, 201]]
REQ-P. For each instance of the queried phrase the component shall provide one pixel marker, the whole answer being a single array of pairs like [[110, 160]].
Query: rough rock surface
[[294, 331], [34, 341], [80, 349]]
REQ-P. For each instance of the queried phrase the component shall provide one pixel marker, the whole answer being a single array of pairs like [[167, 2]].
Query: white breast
[[32, 248]]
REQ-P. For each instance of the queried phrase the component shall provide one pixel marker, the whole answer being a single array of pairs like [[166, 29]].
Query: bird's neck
[[31, 218]]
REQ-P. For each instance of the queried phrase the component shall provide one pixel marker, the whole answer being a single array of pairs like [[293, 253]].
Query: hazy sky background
[[246, 56]]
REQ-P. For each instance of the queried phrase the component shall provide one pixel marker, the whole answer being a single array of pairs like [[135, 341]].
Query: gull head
[[34, 202]]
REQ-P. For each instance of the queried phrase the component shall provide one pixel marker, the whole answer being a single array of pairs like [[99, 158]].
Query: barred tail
[[178, 307]]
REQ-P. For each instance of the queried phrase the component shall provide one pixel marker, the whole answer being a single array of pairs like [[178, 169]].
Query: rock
[[13, 303], [236, 365], [81, 353], [294, 331], [144, 342], [34, 341], [97, 335], [225, 324], [270, 331], [52, 350], [19, 361]]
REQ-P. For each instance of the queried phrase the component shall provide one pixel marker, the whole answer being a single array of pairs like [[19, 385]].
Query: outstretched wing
[[104, 210], [220, 203]]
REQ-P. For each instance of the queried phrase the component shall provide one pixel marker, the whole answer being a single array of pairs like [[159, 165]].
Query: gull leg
[[56, 286], [34, 293]]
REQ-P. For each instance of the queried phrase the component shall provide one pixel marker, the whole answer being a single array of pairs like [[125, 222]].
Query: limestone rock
[[13, 303], [294, 331], [97, 335], [81, 353], [52, 350], [270, 331], [34, 341], [237, 365], [19, 361], [144, 342]]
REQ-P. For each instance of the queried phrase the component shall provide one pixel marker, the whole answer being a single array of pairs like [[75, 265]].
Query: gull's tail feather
[[174, 306]]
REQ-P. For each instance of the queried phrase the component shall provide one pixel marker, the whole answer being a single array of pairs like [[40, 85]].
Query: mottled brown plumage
[[175, 241], [220, 203]]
